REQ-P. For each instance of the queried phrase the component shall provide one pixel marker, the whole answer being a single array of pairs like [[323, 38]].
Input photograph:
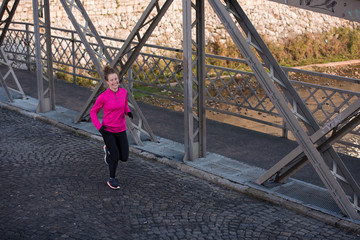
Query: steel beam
[[188, 76], [271, 83], [200, 76], [347, 9], [194, 85], [44, 70]]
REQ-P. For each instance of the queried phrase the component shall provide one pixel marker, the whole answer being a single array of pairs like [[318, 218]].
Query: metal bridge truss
[[6, 14], [290, 106], [314, 142]]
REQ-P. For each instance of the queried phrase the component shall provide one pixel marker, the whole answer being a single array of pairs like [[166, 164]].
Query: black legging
[[118, 146]]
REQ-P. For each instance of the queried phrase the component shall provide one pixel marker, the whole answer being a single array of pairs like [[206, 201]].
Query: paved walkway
[[52, 186]]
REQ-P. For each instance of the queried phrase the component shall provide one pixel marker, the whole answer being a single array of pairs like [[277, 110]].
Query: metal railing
[[157, 72]]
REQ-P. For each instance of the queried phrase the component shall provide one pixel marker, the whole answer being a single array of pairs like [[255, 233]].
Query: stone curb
[[249, 189]]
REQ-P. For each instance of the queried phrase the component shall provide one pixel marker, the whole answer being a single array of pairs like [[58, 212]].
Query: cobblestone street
[[53, 186]]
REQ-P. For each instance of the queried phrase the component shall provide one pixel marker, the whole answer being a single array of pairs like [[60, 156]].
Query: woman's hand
[[130, 115]]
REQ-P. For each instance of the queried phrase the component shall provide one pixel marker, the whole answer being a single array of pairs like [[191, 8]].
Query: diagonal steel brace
[[340, 125], [5, 61]]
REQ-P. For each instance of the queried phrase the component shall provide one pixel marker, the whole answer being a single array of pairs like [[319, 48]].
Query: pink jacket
[[115, 106]]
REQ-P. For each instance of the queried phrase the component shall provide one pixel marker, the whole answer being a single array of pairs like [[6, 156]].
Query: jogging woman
[[114, 103]]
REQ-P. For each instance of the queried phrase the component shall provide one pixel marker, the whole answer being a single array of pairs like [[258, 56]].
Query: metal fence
[[157, 73]]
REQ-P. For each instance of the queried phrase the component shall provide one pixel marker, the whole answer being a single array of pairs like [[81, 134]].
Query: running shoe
[[113, 183]]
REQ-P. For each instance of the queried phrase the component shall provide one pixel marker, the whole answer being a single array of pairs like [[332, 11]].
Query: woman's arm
[[94, 111]]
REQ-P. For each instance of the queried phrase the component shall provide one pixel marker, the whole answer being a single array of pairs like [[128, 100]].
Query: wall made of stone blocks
[[116, 18]]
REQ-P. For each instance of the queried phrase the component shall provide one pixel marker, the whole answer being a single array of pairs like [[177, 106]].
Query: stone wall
[[116, 18]]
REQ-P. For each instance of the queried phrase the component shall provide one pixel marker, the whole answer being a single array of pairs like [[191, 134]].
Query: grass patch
[[338, 44], [145, 91], [64, 74]]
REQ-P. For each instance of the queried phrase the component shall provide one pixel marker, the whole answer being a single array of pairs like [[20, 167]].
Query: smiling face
[[113, 81]]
